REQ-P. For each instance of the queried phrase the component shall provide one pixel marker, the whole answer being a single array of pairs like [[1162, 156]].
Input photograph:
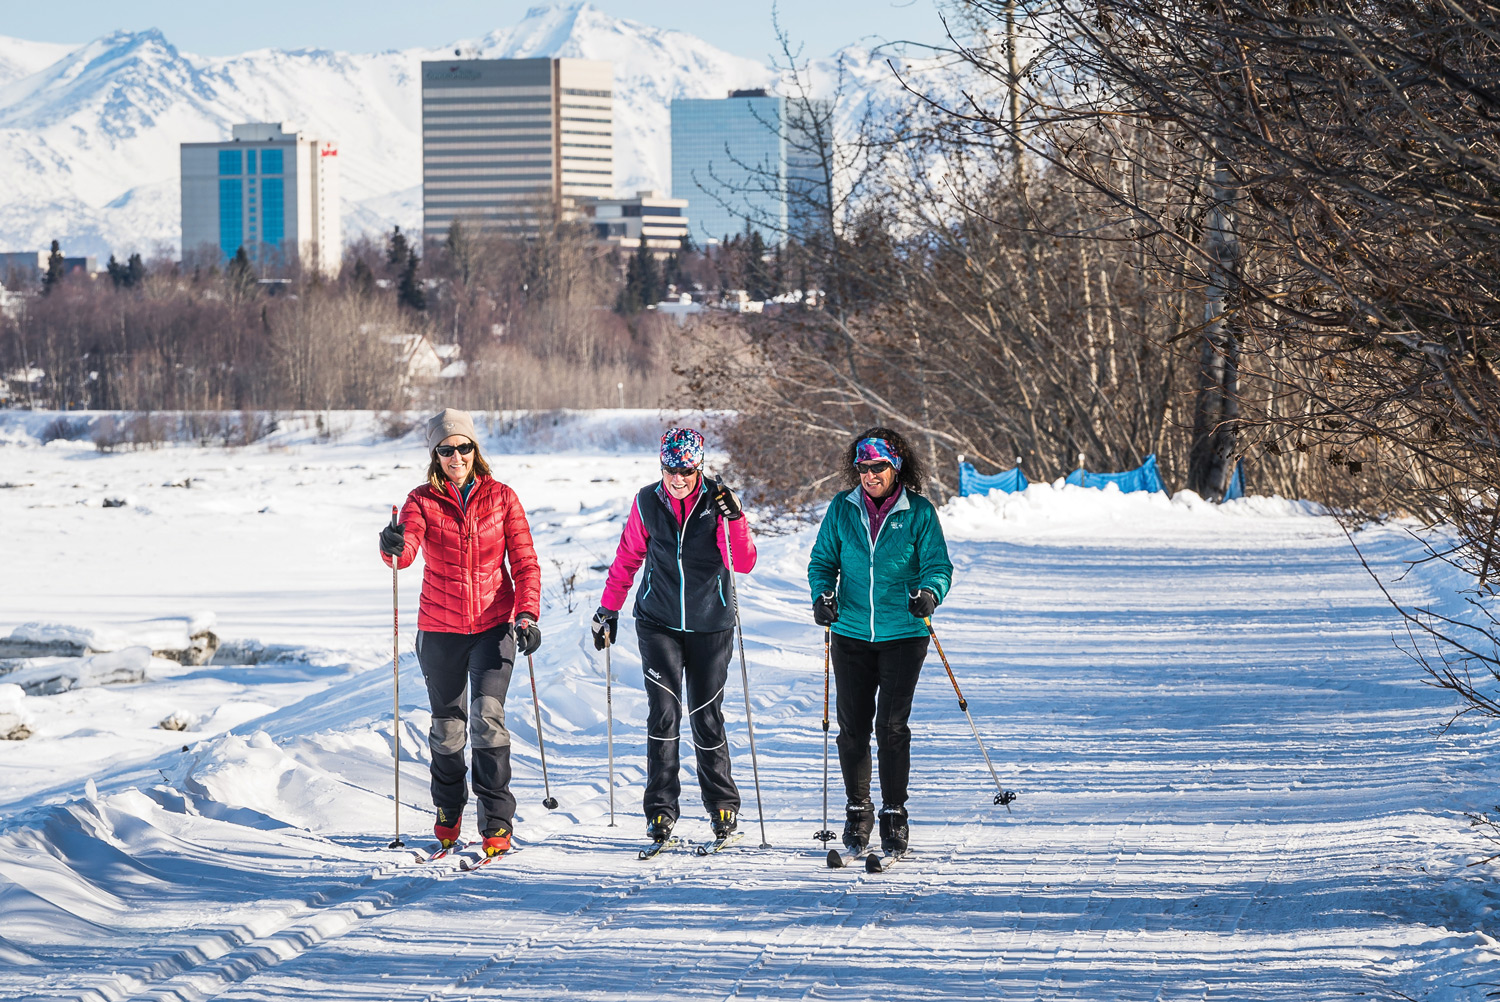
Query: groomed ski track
[[1231, 786]]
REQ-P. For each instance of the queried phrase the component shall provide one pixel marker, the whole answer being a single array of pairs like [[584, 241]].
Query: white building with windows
[[507, 140], [625, 222], [274, 193]]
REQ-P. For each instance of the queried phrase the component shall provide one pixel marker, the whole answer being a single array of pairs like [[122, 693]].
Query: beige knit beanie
[[450, 422]]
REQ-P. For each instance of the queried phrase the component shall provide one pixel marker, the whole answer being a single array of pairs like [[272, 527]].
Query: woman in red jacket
[[481, 592]]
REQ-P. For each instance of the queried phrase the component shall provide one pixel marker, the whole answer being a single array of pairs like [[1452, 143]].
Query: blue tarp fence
[[1236, 482], [970, 481], [1142, 478]]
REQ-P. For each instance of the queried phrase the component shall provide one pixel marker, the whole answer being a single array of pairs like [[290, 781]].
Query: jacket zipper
[[864, 519], [682, 575]]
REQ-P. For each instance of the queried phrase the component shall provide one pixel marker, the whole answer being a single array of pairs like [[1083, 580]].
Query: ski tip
[[835, 861], [873, 864]]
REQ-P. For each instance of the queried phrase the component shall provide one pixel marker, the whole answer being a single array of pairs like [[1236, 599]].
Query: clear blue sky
[[217, 29]]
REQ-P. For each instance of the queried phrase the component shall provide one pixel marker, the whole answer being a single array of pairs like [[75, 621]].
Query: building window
[[229, 162], [249, 161], [231, 214], [273, 230], [270, 162]]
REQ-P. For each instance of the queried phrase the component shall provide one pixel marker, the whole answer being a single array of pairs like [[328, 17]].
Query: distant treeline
[[558, 320]]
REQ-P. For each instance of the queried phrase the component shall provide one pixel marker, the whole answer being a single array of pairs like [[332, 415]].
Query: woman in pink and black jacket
[[684, 623]]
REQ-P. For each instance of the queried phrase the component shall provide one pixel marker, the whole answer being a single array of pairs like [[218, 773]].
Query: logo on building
[[453, 73]]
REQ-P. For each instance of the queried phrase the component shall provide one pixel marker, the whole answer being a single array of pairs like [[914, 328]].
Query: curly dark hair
[[913, 472]]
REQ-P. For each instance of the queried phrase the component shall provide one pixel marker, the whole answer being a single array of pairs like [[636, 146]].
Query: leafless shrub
[[65, 429], [130, 432]]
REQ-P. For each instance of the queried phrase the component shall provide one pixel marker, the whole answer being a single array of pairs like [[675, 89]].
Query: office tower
[[507, 142], [625, 222], [747, 161], [273, 192]]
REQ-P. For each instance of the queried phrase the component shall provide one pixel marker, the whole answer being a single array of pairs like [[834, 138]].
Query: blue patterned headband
[[873, 450]]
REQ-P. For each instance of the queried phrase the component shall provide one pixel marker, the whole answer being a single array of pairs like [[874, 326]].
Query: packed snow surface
[[1232, 784]]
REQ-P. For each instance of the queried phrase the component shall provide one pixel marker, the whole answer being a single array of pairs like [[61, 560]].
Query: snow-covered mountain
[[89, 135]]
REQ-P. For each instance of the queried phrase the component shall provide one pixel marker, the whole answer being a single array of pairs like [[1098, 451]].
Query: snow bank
[[1059, 508], [188, 639], [504, 432], [49, 676]]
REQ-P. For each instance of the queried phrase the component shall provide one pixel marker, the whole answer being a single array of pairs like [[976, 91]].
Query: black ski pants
[[876, 682], [669, 658], [482, 663]]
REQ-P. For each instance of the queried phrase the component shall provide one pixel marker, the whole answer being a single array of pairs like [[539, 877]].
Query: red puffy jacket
[[467, 586]]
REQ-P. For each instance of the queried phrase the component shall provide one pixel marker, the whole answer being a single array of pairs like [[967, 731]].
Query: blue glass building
[[272, 192], [742, 162]]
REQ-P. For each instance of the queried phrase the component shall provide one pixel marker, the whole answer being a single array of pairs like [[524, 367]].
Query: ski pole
[[826, 834], [550, 803], [734, 596], [1004, 797], [609, 707], [396, 689]]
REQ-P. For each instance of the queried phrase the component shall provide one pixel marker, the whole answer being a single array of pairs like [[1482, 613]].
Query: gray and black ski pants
[[876, 683], [482, 663], [669, 658]]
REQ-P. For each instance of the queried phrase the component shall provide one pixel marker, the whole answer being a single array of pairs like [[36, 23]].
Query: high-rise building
[[273, 192], [505, 141], [747, 161]]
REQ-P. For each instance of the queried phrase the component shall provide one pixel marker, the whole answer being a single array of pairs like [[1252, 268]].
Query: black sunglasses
[[875, 468], [679, 471], [447, 450]]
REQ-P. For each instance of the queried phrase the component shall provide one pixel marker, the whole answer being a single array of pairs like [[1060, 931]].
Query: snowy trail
[[1232, 786]]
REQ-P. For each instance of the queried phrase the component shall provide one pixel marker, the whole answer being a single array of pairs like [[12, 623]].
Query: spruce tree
[[116, 272], [410, 293], [54, 276], [239, 275], [135, 271], [396, 249], [757, 272]]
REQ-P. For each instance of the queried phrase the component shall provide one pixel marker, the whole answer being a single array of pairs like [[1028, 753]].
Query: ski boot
[[660, 828], [497, 841], [859, 819], [725, 822], [893, 830], [445, 829]]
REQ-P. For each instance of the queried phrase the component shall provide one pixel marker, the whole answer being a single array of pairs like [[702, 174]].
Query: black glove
[[921, 603], [393, 540], [826, 609], [605, 621], [528, 634], [729, 505]]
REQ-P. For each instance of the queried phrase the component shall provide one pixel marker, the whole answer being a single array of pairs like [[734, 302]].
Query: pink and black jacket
[[681, 544]]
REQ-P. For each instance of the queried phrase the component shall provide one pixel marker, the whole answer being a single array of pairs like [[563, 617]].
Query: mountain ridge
[[89, 134]]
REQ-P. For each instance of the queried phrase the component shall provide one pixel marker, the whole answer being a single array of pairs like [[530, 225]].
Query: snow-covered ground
[[1232, 784]]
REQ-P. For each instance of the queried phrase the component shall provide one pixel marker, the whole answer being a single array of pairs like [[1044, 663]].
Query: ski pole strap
[[963, 704]]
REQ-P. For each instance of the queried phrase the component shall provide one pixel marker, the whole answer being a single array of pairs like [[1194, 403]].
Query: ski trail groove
[[215, 961]]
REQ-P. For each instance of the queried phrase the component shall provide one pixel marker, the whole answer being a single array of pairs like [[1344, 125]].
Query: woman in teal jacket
[[879, 567]]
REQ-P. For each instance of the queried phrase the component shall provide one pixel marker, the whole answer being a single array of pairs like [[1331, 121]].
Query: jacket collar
[[856, 497]]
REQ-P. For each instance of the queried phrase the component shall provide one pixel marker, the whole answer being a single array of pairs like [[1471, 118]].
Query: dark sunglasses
[[447, 450], [679, 471], [875, 468]]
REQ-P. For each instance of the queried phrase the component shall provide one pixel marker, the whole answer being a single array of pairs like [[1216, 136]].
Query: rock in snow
[[15, 722]]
